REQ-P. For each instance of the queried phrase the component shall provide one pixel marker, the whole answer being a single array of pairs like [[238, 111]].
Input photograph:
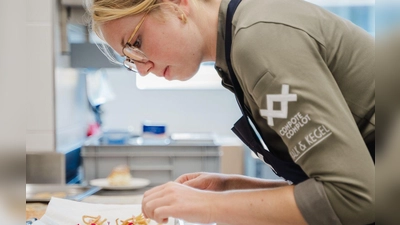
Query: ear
[[185, 5]]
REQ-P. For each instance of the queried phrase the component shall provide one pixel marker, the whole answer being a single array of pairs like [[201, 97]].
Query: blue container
[[151, 129], [116, 137], [154, 129]]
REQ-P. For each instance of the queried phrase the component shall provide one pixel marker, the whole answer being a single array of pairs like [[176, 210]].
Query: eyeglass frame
[[130, 63]]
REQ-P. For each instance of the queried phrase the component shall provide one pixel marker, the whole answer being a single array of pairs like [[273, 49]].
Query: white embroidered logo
[[283, 98]]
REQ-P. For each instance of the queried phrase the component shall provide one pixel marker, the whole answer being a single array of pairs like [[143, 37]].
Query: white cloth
[[67, 212]]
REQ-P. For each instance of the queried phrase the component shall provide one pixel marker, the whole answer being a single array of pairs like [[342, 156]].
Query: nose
[[144, 67]]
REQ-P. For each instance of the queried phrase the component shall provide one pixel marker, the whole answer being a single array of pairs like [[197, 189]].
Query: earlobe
[[183, 18]]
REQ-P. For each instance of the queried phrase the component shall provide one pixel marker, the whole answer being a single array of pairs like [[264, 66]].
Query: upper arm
[[303, 104]]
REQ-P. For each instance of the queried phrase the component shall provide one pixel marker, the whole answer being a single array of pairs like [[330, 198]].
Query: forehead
[[117, 32]]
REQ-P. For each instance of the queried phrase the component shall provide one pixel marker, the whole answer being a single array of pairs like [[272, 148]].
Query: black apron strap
[[370, 139], [233, 4], [242, 128]]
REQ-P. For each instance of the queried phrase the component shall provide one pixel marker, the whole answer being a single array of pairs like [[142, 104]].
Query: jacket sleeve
[[301, 101]]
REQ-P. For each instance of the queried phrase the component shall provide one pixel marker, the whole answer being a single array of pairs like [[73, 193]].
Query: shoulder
[[267, 50], [314, 20]]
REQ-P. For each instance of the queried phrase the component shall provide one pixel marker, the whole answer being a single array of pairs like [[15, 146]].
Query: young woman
[[304, 80]]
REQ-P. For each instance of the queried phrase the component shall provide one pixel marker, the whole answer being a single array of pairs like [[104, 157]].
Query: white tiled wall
[[40, 77], [56, 95], [39, 11], [40, 141], [12, 78]]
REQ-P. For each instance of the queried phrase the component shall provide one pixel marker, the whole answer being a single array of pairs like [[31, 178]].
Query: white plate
[[67, 212], [135, 183]]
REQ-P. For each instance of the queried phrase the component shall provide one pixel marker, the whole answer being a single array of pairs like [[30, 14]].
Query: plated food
[[43, 195], [35, 210], [68, 212], [120, 176], [134, 220]]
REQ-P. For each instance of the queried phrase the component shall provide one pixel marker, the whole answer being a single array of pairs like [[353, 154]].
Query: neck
[[208, 26]]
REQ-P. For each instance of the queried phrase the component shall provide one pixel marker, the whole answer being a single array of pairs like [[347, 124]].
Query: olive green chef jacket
[[308, 78]]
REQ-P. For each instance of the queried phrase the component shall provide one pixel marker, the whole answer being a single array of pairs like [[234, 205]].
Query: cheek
[[156, 46], [166, 51], [168, 44]]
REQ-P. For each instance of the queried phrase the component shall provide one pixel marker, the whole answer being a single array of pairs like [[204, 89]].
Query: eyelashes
[[137, 43]]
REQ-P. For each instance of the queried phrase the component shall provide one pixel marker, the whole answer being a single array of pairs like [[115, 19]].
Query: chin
[[190, 76], [185, 78], [183, 75], [179, 78]]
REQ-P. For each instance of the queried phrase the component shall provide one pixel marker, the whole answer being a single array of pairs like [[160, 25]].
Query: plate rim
[[129, 187]]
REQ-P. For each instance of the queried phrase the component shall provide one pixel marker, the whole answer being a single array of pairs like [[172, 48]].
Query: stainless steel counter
[[44, 192], [123, 192]]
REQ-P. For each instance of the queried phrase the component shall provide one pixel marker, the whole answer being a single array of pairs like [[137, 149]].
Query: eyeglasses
[[132, 53]]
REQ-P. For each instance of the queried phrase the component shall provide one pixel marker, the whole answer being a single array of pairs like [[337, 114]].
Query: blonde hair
[[103, 11]]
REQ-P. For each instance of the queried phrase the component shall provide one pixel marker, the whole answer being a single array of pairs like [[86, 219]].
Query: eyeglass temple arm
[[137, 28]]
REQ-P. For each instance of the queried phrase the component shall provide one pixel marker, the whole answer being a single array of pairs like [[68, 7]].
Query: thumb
[[195, 183], [182, 179], [186, 177]]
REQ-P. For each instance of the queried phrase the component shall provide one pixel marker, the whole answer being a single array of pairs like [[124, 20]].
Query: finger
[[160, 216], [166, 195], [150, 195], [181, 179], [153, 205], [156, 192], [186, 177], [150, 198], [155, 189], [144, 213], [165, 221], [171, 211], [195, 183]]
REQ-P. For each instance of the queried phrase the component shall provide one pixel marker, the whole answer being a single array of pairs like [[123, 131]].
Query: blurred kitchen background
[[75, 93]]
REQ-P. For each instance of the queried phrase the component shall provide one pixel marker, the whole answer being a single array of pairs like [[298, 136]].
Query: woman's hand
[[179, 201], [204, 181]]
